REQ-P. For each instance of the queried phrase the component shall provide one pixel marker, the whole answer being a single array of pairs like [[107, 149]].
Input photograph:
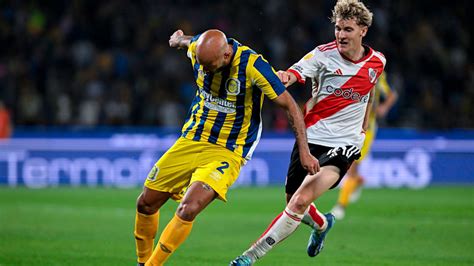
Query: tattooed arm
[[179, 40], [295, 117]]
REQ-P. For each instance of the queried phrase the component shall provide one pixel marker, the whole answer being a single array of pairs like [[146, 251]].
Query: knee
[[299, 203], [146, 207], [188, 210]]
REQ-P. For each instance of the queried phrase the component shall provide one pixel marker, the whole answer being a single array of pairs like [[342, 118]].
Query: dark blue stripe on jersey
[[205, 111], [254, 122], [196, 70], [200, 127], [225, 76], [219, 122], [266, 70], [235, 46], [194, 38], [196, 100], [240, 112]]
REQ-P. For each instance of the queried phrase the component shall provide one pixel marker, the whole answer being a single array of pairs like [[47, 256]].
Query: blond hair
[[347, 9]]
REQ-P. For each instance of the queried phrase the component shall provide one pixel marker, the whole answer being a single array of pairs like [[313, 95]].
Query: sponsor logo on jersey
[[218, 104], [372, 75], [347, 94], [232, 86], [338, 72]]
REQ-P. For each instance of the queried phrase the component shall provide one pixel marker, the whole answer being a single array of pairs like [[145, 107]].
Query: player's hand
[[175, 38], [284, 76], [309, 163], [381, 111]]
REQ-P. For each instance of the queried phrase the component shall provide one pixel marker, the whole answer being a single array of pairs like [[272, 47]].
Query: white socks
[[314, 218], [281, 227]]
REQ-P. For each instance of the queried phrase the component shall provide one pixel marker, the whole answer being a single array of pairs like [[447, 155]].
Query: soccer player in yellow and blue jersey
[[220, 134], [350, 190]]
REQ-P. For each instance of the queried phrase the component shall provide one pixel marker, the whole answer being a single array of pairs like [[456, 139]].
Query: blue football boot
[[242, 260], [316, 239]]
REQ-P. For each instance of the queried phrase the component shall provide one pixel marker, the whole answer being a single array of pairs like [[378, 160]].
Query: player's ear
[[227, 55], [228, 52], [364, 31]]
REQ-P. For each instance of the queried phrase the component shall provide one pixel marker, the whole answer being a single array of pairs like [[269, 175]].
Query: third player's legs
[[146, 221]]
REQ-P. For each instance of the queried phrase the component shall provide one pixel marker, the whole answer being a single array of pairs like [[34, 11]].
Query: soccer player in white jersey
[[343, 74], [385, 98]]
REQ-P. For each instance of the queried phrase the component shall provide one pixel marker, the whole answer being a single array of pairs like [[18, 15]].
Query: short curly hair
[[348, 9]]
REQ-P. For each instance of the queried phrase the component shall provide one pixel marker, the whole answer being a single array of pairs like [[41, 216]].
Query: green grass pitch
[[93, 226]]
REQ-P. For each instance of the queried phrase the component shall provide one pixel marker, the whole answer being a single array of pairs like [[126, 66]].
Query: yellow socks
[[171, 238], [145, 231], [349, 186]]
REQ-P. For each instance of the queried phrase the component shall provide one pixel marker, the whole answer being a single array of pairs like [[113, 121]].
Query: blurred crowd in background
[[95, 63]]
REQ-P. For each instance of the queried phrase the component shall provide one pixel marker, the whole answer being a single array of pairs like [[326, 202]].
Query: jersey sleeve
[[265, 78], [192, 46], [308, 66]]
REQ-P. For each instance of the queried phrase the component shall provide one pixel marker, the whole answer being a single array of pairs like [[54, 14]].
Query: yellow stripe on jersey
[[227, 107]]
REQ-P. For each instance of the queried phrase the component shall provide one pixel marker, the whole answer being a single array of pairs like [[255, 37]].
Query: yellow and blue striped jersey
[[227, 107], [382, 90]]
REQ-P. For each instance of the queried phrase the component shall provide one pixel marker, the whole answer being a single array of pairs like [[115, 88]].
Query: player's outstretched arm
[[295, 117], [286, 77], [179, 40]]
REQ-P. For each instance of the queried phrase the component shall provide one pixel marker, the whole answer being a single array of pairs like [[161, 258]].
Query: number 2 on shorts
[[225, 165]]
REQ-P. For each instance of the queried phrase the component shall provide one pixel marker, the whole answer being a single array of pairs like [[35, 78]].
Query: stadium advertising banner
[[123, 160]]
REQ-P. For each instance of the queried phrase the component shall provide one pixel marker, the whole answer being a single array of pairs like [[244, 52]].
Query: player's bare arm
[[365, 125], [383, 108], [295, 117], [286, 77], [179, 40]]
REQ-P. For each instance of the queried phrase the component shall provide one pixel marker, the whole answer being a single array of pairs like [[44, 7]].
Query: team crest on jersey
[[153, 173], [372, 75], [201, 73], [232, 86]]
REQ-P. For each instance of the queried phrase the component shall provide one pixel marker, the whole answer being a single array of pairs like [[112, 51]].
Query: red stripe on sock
[[271, 224], [293, 217], [315, 216]]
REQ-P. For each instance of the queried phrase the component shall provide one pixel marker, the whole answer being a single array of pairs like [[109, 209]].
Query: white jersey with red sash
[[340, 93]]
